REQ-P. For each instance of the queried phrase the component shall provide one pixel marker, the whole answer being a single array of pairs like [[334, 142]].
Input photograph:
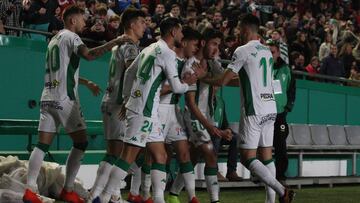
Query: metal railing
[[47, 34], [302, 74]]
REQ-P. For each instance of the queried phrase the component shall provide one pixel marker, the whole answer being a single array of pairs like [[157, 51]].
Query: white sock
[[265, 176], [270, 193], [158, 179], [113, 185], [35, 161], [72, 167], [102, 178], [145, 182], [187, 172], [178, 184], [135, 179], [212, 186]]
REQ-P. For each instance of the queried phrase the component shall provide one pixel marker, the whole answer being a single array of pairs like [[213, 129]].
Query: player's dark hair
[[251, 22], [72, 10], [168, 24], [211, 33], [190, 34], [129, 16]]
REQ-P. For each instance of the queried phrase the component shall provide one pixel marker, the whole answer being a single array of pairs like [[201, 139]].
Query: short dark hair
[[72, 10], [129, 16], [250, 21], [211, 33], [167, 24], [190, 34]]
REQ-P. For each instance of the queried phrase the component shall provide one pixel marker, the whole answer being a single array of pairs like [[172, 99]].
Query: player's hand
[[226, 134], [94, 88], [189, 78], [199, 70], [214, 131], [122, 112]]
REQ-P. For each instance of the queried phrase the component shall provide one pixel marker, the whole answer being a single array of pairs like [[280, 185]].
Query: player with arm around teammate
[[60, 103], [253, 62], [146, 74], [133, 21]]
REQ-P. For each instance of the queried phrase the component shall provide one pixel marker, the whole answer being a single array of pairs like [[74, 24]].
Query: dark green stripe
[[145, 169], [140, 160], [246, 89], [157, 166], [167, 168], [248, 162], [176, 97], [70, 78], [186, 167], [266, 162], [109, 158], [208, 171], [150, 99], [122, 164], [119, 99], [43, 147]]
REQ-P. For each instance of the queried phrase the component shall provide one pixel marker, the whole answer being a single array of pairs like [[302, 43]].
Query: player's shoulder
[[164, 51]]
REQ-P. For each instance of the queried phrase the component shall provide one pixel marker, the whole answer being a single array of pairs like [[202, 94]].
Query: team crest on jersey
[[52, 84], [137, 93], [157, 50]]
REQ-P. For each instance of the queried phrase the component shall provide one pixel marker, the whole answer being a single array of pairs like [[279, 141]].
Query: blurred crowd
[[319, 36]]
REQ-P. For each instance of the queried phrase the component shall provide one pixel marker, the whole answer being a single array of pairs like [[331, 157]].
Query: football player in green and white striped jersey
[[60, 103], [133, 21], [253, 63], [143, 81]]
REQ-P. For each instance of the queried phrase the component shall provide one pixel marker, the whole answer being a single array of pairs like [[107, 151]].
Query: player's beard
[[177, 44]]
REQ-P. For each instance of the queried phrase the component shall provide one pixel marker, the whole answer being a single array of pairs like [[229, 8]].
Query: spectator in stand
[[56, 23], [191, 13], [65, 3], [38, 16], [111, 8], [124, 4], [112, 30], [217, 20], [10, 14], [301, 44], [148, 37], [192, 23], [297, 61], [347, 58], [90, 8], [324, 50], [159, 14], [96, 26], [314, 66], [145, 8], [332, 65], [175, 12], [354, 74]]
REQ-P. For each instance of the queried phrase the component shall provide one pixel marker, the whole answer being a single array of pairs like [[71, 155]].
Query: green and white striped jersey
[[204, 93], [62, 67], [254, 63], [154, 64], [120, 56], [172, 98]]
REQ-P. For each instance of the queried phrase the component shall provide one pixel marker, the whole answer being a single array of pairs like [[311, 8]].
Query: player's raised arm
[[94, 53]]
